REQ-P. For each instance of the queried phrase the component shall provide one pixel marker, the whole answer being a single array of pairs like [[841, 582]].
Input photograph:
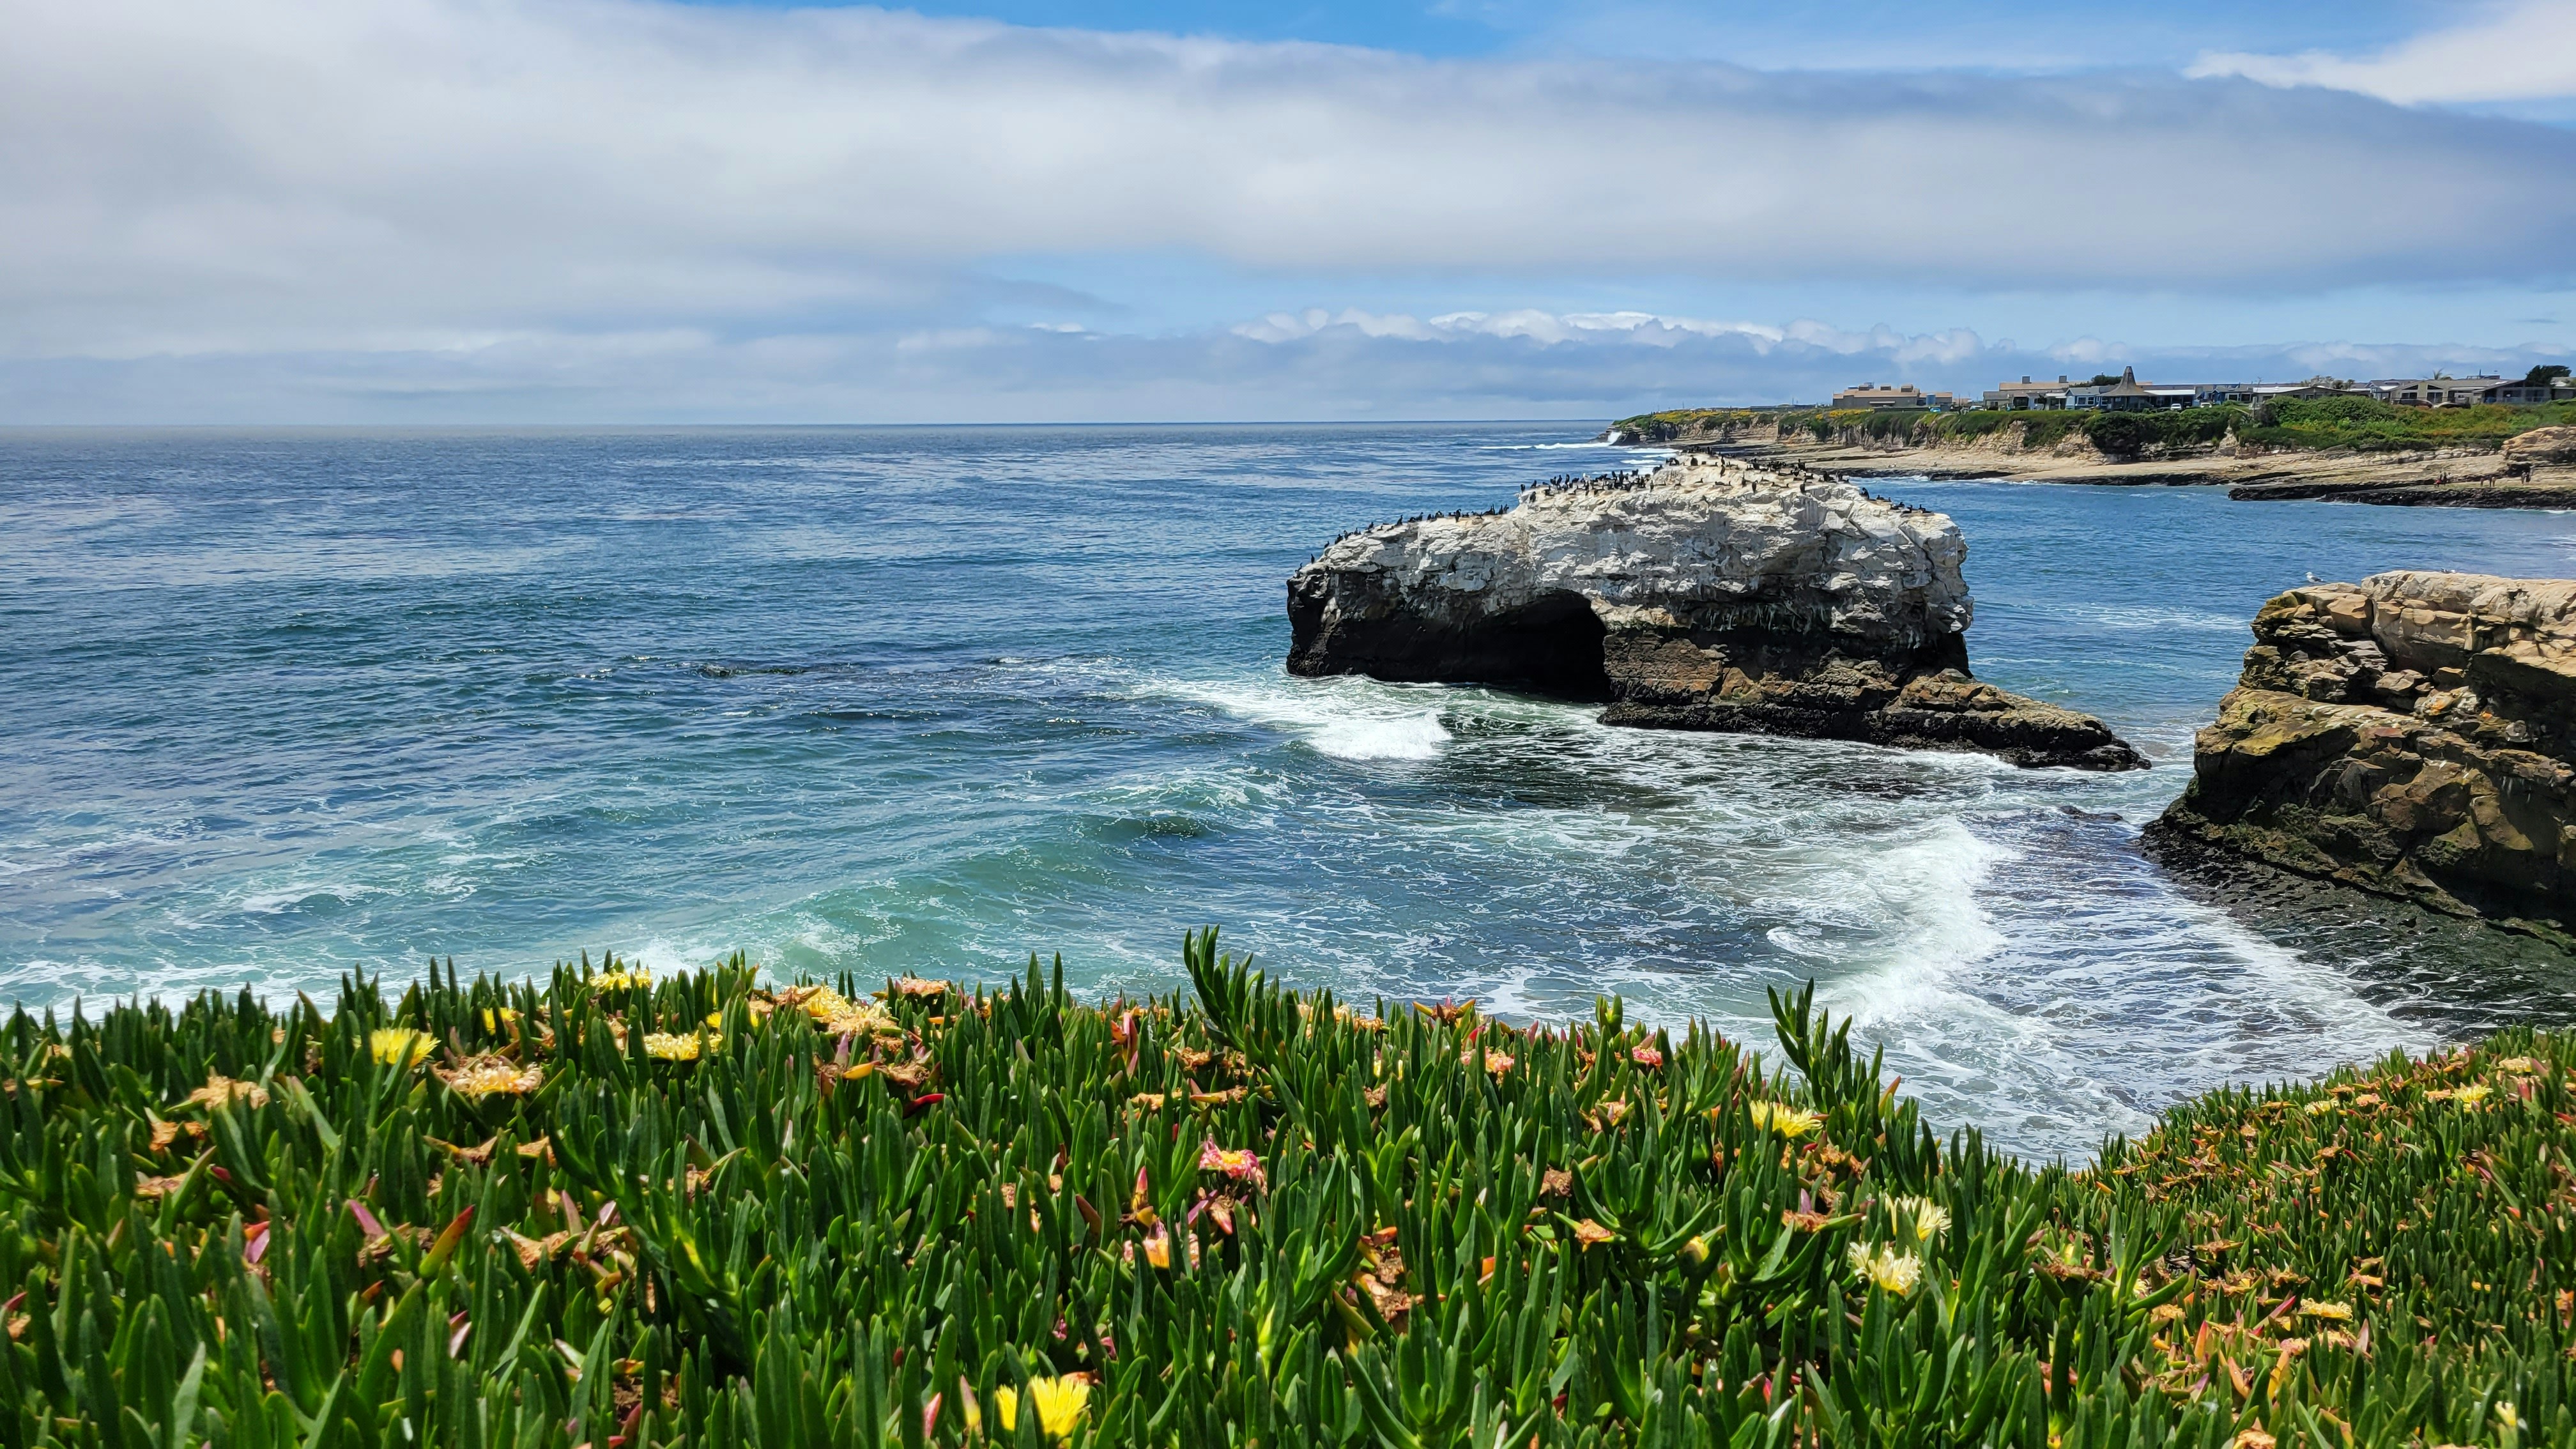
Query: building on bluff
[[1709, 594], [2413, 735]]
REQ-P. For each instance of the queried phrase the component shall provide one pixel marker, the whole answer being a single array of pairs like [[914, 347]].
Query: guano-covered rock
[[1709, 594]]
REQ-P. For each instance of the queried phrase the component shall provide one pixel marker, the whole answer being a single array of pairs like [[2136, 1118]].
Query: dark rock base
[[1745, 682], [2397, 943], [2079, 742], [1553, 646]]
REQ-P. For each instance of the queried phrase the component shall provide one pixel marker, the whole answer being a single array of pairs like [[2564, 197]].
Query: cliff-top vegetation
[[2357, 424], [607, 1210]]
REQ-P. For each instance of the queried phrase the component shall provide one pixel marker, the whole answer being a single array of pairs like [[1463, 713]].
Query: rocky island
[[1710, 594], [2413, 735]]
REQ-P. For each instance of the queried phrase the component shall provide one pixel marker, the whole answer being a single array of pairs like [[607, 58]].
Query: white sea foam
[[282, 899], [1928, 891], [1406, 737], [1348, 719]]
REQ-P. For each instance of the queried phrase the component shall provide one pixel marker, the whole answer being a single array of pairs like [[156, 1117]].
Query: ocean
[[927, 700]]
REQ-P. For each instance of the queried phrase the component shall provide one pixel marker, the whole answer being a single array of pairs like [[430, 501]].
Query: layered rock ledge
[[2411, 735], [1710, 594]]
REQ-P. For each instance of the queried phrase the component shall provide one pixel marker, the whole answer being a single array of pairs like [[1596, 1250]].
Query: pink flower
[[1241, 1163]]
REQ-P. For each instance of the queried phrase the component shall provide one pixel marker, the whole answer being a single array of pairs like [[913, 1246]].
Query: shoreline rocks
[[2413, 735], [2533, 470], [1710, 594]]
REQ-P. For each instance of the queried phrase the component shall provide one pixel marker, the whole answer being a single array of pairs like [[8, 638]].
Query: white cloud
[[1643, 329], [1344, 365], [2520, 51], [295, 176]]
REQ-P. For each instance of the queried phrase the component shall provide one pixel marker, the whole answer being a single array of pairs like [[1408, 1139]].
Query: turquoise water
[[928, 699]]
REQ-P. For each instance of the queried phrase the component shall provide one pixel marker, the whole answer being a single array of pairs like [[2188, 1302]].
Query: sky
[[610, 211]]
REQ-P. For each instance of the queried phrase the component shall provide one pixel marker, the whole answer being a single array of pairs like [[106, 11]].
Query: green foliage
[[2132, 434], [2369, 425], [2544, 374], [602, 1210], [1680, 423], [2307, 424]]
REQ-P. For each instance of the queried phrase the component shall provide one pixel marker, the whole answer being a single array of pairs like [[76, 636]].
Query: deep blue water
[[928, 699]]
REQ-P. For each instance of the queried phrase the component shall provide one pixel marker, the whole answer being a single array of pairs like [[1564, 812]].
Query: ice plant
[[1780, 1117], [1885, 1267], [1059, 1402], [220, 1091], [663, 1046], [813, 1236], [490, 1076], [1930, 1219], [398, 1046], [1241, 1164]]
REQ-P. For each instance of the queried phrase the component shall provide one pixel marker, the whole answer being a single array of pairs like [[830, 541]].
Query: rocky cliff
[[2411, 735], [1710, 594]]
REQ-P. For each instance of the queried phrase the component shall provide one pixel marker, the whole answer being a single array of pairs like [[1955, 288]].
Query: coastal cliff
[[2413, 735], [1710, 594], [2332, 449]]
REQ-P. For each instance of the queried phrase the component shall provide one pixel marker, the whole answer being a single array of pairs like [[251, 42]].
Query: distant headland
[[2481, 441]]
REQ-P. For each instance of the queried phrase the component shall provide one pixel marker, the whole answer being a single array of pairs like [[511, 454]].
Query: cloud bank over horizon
[[271, 210]]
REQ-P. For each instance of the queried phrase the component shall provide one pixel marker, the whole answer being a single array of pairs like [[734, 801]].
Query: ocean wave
[[1346, 718], [283, 900]]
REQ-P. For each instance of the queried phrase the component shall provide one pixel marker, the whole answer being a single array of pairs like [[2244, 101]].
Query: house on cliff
[[2461, 392], [1878, 395], [2026, 396], [2129, 395]]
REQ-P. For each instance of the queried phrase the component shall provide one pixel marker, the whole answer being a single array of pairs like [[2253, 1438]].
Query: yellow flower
[[1891, 1270], [836, 1014], [663, 1046], [1060, 1402], [2321, 1106], [219, 1090], [490, 1076], [1930, 1218], [621, 979], [492, 1020], [1784, 1119], [2519, 1066], [398, 1046], [2473, 1095], [2338, 1312]]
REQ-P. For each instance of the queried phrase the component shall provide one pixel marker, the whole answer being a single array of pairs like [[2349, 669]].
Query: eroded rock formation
[[1710, 594], [2411, 735]]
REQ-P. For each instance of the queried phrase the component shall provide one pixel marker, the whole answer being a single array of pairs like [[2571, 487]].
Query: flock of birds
[[1622, 482]]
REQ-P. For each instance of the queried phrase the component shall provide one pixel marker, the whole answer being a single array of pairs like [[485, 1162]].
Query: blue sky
[[2012, 35], [636, 210]]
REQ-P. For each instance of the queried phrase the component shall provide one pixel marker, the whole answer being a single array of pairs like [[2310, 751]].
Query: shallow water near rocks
[[925, 700]]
